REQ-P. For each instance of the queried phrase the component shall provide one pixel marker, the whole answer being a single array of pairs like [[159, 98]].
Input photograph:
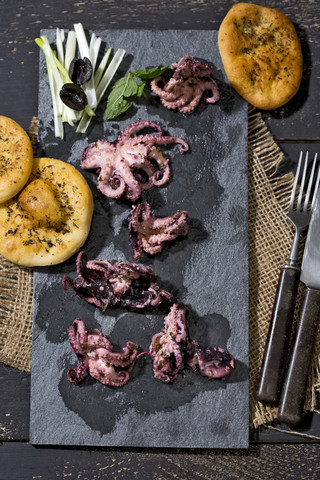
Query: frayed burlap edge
[[270, 239]]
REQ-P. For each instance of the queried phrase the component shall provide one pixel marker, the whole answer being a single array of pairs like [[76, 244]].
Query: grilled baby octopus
[[149, 233], [173, 347], [95, 354], [132, 163], [124, 284], [190, 82]]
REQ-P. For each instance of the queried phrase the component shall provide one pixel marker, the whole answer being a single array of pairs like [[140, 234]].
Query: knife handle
[[295, 385], [273, 364]]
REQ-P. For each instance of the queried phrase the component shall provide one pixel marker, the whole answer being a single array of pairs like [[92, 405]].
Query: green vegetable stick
[[102, 65], [71, 46], [104, 83]]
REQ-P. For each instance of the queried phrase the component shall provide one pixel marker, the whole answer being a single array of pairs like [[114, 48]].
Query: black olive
[[80, 70], [73, 96]]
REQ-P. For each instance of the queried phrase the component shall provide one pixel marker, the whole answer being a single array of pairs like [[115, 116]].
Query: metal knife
[[294, 389]]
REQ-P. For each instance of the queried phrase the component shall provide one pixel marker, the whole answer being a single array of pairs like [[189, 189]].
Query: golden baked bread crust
[[16, 158], [51, 217], [261, 54]]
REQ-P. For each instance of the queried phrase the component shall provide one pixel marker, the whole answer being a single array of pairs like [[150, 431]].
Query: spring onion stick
[[59, 44], [94, 48], [58, 127], [71, 47], [110, 72], [102, 86], [102, 65]]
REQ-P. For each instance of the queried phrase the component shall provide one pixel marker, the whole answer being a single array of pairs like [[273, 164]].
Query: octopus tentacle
[[128, 180], [155, 85], [167, 91], [95, 154], [97, 340], [177, 93], [123, 359], [189, 107], [77, 335], [184, 147], [161, 176], [132, 129], [117, 359], [212, 89], [113, 186], [76, 375], [202, 90], [151, 139]]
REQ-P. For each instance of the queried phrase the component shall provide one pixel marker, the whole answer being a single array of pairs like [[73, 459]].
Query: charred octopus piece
[[190, 82], [173, 346], [95, 354], [167, 347], [132, 163], [125, 284], [149, 233], [212, 362]]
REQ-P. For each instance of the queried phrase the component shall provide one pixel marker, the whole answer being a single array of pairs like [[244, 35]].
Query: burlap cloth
[[270, 240]]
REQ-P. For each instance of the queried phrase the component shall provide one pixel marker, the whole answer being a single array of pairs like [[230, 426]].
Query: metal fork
[[299, 214]]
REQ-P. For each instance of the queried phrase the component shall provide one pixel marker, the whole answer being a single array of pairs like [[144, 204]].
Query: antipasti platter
[[207, 270]]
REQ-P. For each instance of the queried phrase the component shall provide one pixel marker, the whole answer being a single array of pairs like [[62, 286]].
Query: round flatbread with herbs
[[50, 219], [16, 157], [261, 54]]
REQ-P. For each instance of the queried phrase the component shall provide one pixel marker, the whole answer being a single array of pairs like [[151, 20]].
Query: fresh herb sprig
[[127, 88]]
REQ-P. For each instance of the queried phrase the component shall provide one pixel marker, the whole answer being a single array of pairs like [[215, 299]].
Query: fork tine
[[303, 179], [316, 187], [295, 183], [306, 200]]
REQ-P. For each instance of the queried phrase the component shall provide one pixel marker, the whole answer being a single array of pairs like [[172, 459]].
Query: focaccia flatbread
[[16, 158], [51, 217], [261, 54]]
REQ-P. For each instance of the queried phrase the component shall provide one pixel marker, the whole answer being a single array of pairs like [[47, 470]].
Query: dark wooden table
[[271, 454]]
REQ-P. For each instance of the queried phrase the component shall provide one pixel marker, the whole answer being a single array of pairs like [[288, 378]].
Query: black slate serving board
[[208, 271]]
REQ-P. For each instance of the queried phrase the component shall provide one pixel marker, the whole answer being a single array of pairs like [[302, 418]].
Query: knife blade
[[294, 388]]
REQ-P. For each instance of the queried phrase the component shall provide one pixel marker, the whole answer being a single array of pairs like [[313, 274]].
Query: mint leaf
[[115, 109], [149, 73], [140, 89], [117, 104], [131, 87], [118, 89]]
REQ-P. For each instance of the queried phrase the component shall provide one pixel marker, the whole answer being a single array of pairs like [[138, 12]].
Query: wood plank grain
[[20, 461], [14, 404], [21, 23]]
